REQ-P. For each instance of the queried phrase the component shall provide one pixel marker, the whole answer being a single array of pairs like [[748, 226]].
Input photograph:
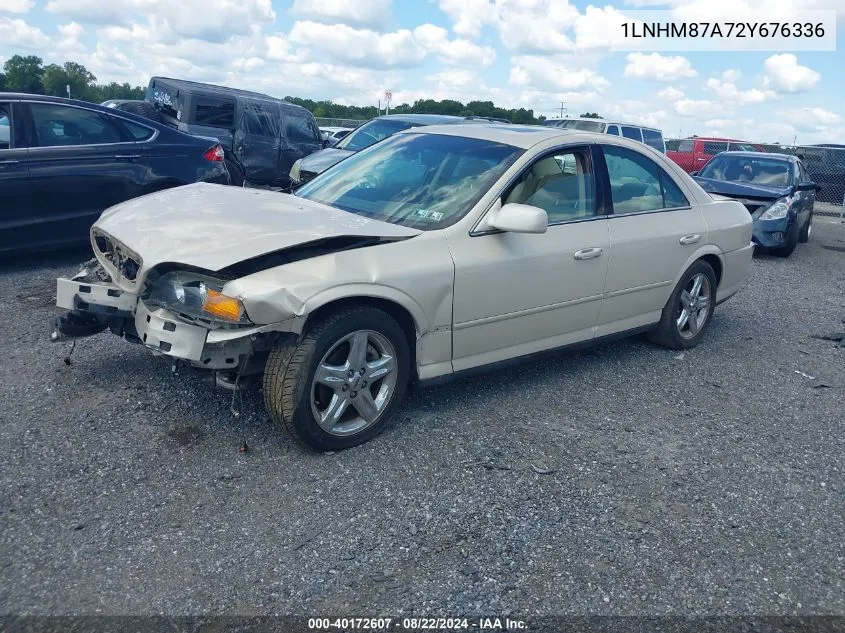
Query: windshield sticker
[[429, 215]]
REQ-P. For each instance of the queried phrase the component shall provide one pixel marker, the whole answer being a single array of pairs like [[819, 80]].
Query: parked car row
[[438, 250]]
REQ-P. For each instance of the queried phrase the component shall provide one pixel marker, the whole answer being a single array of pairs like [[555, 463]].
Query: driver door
[[516, 294]]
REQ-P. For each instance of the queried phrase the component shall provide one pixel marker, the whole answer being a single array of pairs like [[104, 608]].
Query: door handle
[[127, 156], [587, 253], [690, 239], [3, 163]]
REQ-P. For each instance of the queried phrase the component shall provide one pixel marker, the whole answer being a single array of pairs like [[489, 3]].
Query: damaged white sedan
[[439, 250]]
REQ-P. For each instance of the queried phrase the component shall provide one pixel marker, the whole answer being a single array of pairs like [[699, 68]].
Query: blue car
[[776, 190]]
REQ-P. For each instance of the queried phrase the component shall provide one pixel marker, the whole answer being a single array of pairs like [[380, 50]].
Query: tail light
[[214, 154]]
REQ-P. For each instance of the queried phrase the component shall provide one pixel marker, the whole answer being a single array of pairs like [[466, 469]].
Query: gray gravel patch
[[626, 479]]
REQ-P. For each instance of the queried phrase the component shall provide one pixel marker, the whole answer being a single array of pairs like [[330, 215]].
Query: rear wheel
[[804, 236], [339, 385], [688, 312], [792, 239]]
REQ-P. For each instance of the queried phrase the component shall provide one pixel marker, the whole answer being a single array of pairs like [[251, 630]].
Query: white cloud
[[211, 20], [784, 74], [726, 89], [545, 73], [670, 93], [658, 67], [810, 118], [17, 6], [397, 49], [460, 51], [16, 33], [363, 13], [700, 108], [468, 16]]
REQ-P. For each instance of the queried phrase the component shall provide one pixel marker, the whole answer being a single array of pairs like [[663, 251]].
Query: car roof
[[235, 93], [522, 136], [757, 154]]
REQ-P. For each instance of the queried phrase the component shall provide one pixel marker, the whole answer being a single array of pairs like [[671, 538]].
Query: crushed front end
[[178, 314]]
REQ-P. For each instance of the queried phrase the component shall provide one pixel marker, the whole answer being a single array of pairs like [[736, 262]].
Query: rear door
[[653, 232], [81, 162], [257, 140], [15, 190], [300, 137]]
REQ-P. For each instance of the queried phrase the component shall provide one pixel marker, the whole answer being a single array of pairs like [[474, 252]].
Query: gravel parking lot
[[627, 479]]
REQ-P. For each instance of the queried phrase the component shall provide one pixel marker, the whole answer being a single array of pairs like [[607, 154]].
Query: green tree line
[[29, 74]]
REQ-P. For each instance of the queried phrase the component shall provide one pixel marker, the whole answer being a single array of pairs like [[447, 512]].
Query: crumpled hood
[[742, 189], [319, 162], [214, 226]]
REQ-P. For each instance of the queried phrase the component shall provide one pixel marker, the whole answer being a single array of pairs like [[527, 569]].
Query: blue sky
[[517, 53]]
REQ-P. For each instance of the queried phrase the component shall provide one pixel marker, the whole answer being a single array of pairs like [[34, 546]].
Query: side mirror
[[806, 185], [520, 218]]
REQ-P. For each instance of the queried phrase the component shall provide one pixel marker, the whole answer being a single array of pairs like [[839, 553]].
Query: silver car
[[439, 250]]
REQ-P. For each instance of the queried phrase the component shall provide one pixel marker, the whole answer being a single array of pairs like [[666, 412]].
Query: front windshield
[[424, 181], [371, 133], [771, 172]]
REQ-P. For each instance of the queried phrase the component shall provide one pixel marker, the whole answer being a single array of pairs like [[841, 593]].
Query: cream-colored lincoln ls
[[439, 250]]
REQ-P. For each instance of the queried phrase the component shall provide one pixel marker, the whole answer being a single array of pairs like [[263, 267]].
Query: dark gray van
[[262, 136]]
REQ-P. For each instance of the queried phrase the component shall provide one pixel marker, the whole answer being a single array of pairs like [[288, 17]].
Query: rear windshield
[[371, 133], [587, 126]]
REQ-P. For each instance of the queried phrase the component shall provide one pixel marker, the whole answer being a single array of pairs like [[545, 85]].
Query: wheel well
[[716, 265], [399, 313]]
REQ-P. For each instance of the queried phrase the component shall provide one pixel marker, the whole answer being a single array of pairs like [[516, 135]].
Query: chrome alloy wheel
[[694, 306], [354, 383]]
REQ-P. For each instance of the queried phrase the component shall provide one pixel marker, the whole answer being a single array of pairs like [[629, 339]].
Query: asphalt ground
[[626, 479]]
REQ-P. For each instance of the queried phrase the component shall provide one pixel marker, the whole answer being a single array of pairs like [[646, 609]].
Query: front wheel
[[804, 237], [338, 386], [688, 312]]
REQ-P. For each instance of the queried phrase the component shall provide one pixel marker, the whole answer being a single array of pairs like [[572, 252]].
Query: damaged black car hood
[[213, 227]]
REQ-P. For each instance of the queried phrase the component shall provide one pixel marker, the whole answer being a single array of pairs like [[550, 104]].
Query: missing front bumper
[[95, 307]]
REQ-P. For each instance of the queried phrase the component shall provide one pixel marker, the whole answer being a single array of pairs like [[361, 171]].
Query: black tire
[[291, 367], [804, 235], [236, 174], [667, 332], [144, 109], [791, 242]]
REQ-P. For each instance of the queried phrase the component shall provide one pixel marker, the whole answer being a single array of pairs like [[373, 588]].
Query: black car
[[62, 162], [262, 136], [775, 188]]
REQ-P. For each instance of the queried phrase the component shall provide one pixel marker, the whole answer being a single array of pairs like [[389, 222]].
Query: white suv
[[648, 135]]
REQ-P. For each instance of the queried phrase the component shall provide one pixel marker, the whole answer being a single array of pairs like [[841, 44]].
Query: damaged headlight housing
[[195, 296], [777, 210], [295, 171]]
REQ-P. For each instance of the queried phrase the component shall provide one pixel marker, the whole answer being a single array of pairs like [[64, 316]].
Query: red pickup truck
[[693, 153]]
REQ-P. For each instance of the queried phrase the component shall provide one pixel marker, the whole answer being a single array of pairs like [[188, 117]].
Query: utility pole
[[562, 108]]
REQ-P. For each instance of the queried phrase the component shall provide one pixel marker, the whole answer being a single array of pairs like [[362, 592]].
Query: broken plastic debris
[[801, 373]]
